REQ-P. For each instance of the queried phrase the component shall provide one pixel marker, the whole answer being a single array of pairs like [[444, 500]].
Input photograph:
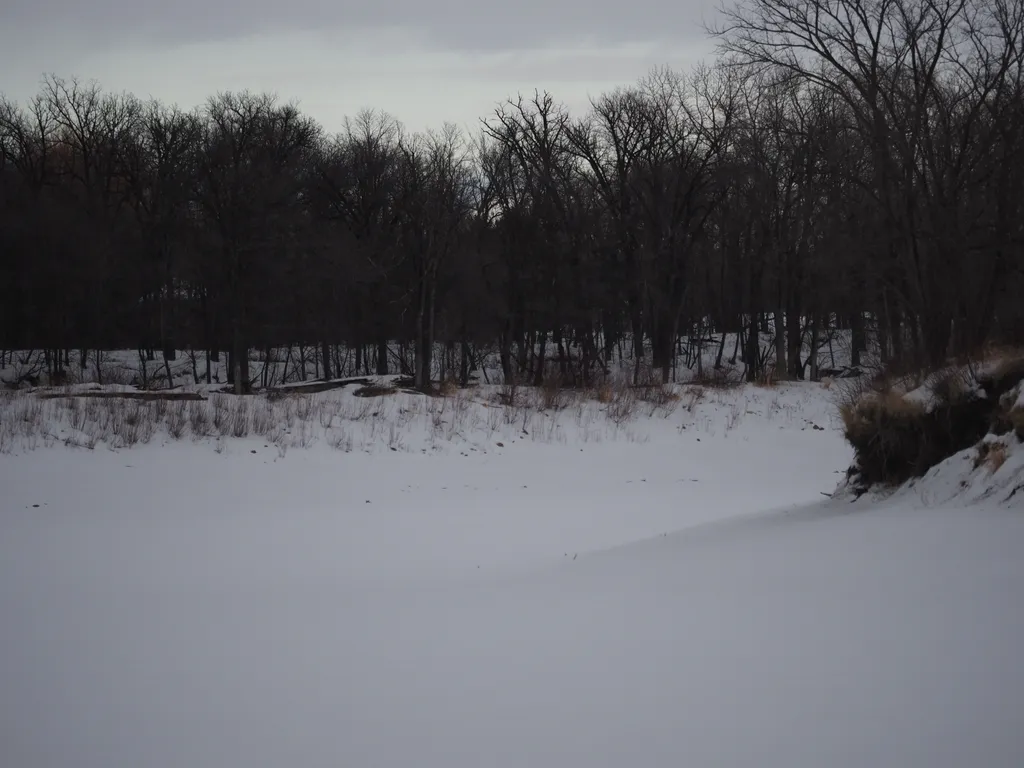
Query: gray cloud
[[464, 25], [424, 61]]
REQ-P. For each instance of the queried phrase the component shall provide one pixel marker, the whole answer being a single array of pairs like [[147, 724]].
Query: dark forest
[[841, 165]]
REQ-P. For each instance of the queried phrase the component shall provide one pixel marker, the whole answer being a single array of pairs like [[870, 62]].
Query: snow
[[923, 396], [967, 381], [676, 591]]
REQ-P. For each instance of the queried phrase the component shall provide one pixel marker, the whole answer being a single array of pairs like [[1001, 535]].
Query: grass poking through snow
[[382, 417]]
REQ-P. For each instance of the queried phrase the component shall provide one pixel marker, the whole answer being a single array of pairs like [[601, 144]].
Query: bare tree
[[904, 68], [159, 168], [357, 191], [248, 185], [435, 205]]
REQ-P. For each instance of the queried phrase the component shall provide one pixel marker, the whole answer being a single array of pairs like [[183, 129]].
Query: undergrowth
[[900, 426], [380, 417]]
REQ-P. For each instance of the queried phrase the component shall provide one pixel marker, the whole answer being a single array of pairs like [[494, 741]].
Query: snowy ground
[[294, 364], [671, 591]]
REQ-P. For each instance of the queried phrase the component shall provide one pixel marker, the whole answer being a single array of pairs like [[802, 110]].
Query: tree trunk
[[752, 354], [505, 354], [464, 365], [781, 368], [636, 320], [538, 374], [737, 345], [895, 324], [423, 351], [858, 338], [522, 351], [421, 370], [239, 359], [167, 316], [663, 343], [813, 359], [325, 354], [144, 369]]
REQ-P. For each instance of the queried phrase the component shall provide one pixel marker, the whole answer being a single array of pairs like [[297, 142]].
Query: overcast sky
[[424, 61]]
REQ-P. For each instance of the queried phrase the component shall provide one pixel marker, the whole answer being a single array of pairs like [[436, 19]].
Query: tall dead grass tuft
[[766, 377], [553, 396], [131, 422], [659, 398], [239, 420], [692, 397], [177, 419], [604, 393], [623, 405], [991, 454], [719, 378], [199, 418], [449, 387], [897, 437], [1016, 416]]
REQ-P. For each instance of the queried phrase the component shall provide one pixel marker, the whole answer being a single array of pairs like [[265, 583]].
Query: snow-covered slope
[[989, 470], [680, 593]]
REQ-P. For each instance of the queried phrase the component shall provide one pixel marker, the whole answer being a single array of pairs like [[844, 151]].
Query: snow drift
[[676, 593]]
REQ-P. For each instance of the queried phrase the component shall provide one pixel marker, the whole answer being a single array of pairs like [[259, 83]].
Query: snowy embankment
[[668, 589]]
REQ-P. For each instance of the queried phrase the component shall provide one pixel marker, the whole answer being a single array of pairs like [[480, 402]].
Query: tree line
[[843, 163]]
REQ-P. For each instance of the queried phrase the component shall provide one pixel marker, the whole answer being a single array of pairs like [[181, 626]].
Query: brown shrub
[[604, 393], [991, 454], [1016, 418], [896, 439], [622, 407], [719, 378], [449, 387], [660, 394], [693, 396], [1003, 377], [951, 385], [553, 396], [766, 377]]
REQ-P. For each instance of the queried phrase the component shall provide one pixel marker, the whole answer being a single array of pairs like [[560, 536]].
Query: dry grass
[[720, 378], [449, 387], [390, 420], [767, 377], [621, 408], [692, 397], [863, 415], [1017, 420], [553, 396], [951, 385], [992, 455], [998, 353], [604, 393], [1003, 376], [897, 437]]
